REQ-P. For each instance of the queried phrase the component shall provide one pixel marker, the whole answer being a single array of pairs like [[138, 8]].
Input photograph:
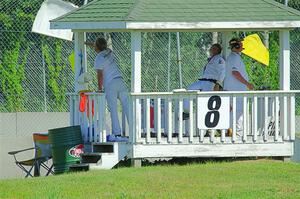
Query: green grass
[[244, 179]]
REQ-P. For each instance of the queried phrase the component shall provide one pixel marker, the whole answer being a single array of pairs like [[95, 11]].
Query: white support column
[[80, 56], [226, 36], [136, 62], [284, 39]]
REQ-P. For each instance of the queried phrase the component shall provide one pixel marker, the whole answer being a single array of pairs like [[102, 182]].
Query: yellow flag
[[72, 61], [254, 48]]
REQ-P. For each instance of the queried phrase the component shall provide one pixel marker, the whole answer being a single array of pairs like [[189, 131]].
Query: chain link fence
[[45, 74]]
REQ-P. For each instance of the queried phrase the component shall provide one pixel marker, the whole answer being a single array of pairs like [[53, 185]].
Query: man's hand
[[91, 44], [250, 86]]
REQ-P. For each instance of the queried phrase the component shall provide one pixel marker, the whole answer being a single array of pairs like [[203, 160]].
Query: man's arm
[[90, 44], [239, 77], [100, 80]]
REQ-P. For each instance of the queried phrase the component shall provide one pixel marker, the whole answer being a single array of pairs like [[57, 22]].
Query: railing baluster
[[95, 119], [132, 119], [148, 133], [245, 118], [248, 116], [233, 119], [201, 136], [266, 118], [165, 116], [272, 107], [100, 120], [180, 123], [254, 122], [276, 118], [103, 104], [158, 116], [223, 132], [154, 115], [283, 118], [138, 116], [72, 112], [175, 118], [143, 116], [169, 120], [90, 118], [292, 117], [212, 135], [191, 120], [76, 111], [85, 122]]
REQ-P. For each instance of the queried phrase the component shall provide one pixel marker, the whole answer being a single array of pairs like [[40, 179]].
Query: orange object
[[84, 100]]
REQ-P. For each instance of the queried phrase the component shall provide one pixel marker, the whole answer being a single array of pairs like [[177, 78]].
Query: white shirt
[[215, 69], [234, 62], [105, 60]]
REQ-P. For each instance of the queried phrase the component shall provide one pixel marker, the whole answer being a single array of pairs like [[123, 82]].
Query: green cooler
[[67, 145]]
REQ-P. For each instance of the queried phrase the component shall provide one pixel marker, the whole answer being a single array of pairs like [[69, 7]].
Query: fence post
[[44, 83]]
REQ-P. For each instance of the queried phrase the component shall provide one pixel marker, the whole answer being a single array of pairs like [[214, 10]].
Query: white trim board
[[88, 25], [213, 150], [176, 26]]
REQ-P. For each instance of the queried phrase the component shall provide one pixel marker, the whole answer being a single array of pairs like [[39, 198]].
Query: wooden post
[[284, 38], [80, 56]]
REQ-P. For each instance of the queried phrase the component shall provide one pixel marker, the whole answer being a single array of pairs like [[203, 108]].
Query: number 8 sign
[[213, 112]]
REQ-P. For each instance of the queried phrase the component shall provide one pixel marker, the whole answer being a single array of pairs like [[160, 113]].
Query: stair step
[[90, 157], [79, 167], [107, 147]]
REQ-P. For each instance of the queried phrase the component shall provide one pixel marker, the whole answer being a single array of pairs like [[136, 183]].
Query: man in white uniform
[[236, 78], [213, 74], [110, 78]]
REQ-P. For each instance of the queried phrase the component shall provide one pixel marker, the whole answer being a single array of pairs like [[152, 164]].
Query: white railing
[[90, 113], [156, 118], [269, 116]]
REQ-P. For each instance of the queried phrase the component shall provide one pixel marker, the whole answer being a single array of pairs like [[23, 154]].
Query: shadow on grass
[[186, 161]]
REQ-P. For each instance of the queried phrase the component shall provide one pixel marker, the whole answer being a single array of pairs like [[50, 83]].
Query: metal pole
[[179, 59], [44, 84], [169, 61]]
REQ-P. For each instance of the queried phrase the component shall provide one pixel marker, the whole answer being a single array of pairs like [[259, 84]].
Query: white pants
[[239, 115], [116, 90], [199, 85]]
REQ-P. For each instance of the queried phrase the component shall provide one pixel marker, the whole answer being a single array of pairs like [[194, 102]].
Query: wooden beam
[[213, 150], [175, 26]]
